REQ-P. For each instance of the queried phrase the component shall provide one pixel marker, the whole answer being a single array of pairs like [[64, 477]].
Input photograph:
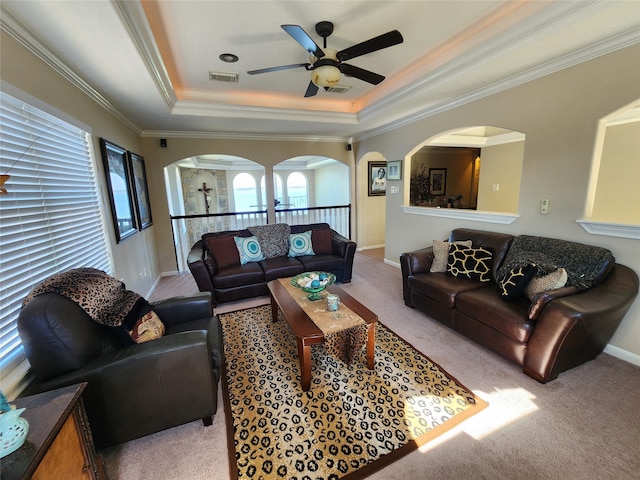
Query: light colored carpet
[[583, 425]]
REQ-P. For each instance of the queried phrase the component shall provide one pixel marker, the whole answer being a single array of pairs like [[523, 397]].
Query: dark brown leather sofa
[[134, 390], [237, 282], [555, 331]]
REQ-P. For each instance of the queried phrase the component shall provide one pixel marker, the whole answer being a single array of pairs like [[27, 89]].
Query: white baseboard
[[369, 247], [393, 264], [153, 287], [625, 355], [170, 273]]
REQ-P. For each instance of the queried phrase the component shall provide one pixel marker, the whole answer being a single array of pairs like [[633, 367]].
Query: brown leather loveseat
[[547, 332], [216, 267]]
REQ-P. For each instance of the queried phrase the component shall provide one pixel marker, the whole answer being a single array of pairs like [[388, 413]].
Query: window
[[297, 192], [49, 216], [245, 196]]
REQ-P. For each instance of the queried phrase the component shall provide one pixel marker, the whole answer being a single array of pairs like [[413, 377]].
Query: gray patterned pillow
[[273, 239]]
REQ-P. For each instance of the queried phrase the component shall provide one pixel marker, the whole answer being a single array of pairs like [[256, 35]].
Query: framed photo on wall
[[377, 178], [394, 170], [438, 180], [140, 190], [118, 179]]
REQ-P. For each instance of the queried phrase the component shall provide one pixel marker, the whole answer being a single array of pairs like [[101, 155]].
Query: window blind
[[50, 218]]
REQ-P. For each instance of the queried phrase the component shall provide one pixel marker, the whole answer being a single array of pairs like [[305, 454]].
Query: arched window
[[297, 191], [277, 186], [245, 195]]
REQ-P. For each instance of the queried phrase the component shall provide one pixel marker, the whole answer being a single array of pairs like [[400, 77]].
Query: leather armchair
[[134, 390]]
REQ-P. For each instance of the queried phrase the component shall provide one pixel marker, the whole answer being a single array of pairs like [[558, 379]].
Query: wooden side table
[[59, 443]]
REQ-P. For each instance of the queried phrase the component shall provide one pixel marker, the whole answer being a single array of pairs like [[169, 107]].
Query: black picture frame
[[377, 178], [117, 175], [438, 181], [140, 190]]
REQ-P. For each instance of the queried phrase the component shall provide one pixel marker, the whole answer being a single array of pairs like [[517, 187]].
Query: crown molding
[[207, 109], [134, 18], [28, 40], [243, 136], [380, 108]]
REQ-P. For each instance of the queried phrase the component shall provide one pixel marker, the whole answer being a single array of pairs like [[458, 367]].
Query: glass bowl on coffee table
[[313, 283]]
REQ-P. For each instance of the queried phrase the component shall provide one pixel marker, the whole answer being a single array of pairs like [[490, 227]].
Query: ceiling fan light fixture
[[325, 76]]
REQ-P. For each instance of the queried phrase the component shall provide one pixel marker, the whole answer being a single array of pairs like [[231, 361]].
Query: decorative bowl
[[13, 431], [313, 283]]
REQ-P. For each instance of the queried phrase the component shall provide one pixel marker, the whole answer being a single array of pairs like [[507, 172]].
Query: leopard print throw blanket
[[103, 297]]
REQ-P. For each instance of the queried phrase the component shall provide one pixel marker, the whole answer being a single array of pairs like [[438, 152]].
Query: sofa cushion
[[553, 280], [238, 276], [273, 239], [300, 244], [512, 284], [249, 249], [509, 318], [472, 263], [321, 263], [441, 254], [321, 241], [280, 267], [441, 287], [223, 250]]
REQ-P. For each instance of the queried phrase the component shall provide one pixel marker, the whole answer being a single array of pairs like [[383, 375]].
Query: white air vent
[[337, 89], [224, 77]]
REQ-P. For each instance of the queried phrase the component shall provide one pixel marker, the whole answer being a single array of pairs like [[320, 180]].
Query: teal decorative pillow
[[513, 283], [300, 244], [473, 263], [248, 249]]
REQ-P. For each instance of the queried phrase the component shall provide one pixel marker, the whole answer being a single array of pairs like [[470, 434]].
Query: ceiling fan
[[326, 63]]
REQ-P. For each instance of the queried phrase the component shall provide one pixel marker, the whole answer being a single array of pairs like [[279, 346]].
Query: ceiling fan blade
[[282, 67], [361, 73], [373, 44], [312, 89], [300, 36]]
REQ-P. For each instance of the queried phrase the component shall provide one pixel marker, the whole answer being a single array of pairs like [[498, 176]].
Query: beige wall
[[502, 166], [134, 258], [559, 115], [370, 211], [618, 184]]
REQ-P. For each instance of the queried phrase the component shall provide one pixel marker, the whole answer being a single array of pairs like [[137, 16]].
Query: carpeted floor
[[583, 425], [352, 420]]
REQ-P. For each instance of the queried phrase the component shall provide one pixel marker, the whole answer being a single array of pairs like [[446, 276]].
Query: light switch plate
[[544, 206]]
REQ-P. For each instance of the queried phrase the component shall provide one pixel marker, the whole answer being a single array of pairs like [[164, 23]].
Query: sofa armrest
[[574, 329], [184, 308], [346, 249], [198, 267], [543, 298], [411, 263], [171, 378]]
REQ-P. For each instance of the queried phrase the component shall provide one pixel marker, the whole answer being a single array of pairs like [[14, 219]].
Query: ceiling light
[[325, 76], [228, 57]]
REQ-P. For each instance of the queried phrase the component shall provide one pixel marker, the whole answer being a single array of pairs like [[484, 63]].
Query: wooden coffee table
[[306, 331]]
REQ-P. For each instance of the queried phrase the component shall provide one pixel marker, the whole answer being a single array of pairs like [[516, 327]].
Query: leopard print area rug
[[351, 422]]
